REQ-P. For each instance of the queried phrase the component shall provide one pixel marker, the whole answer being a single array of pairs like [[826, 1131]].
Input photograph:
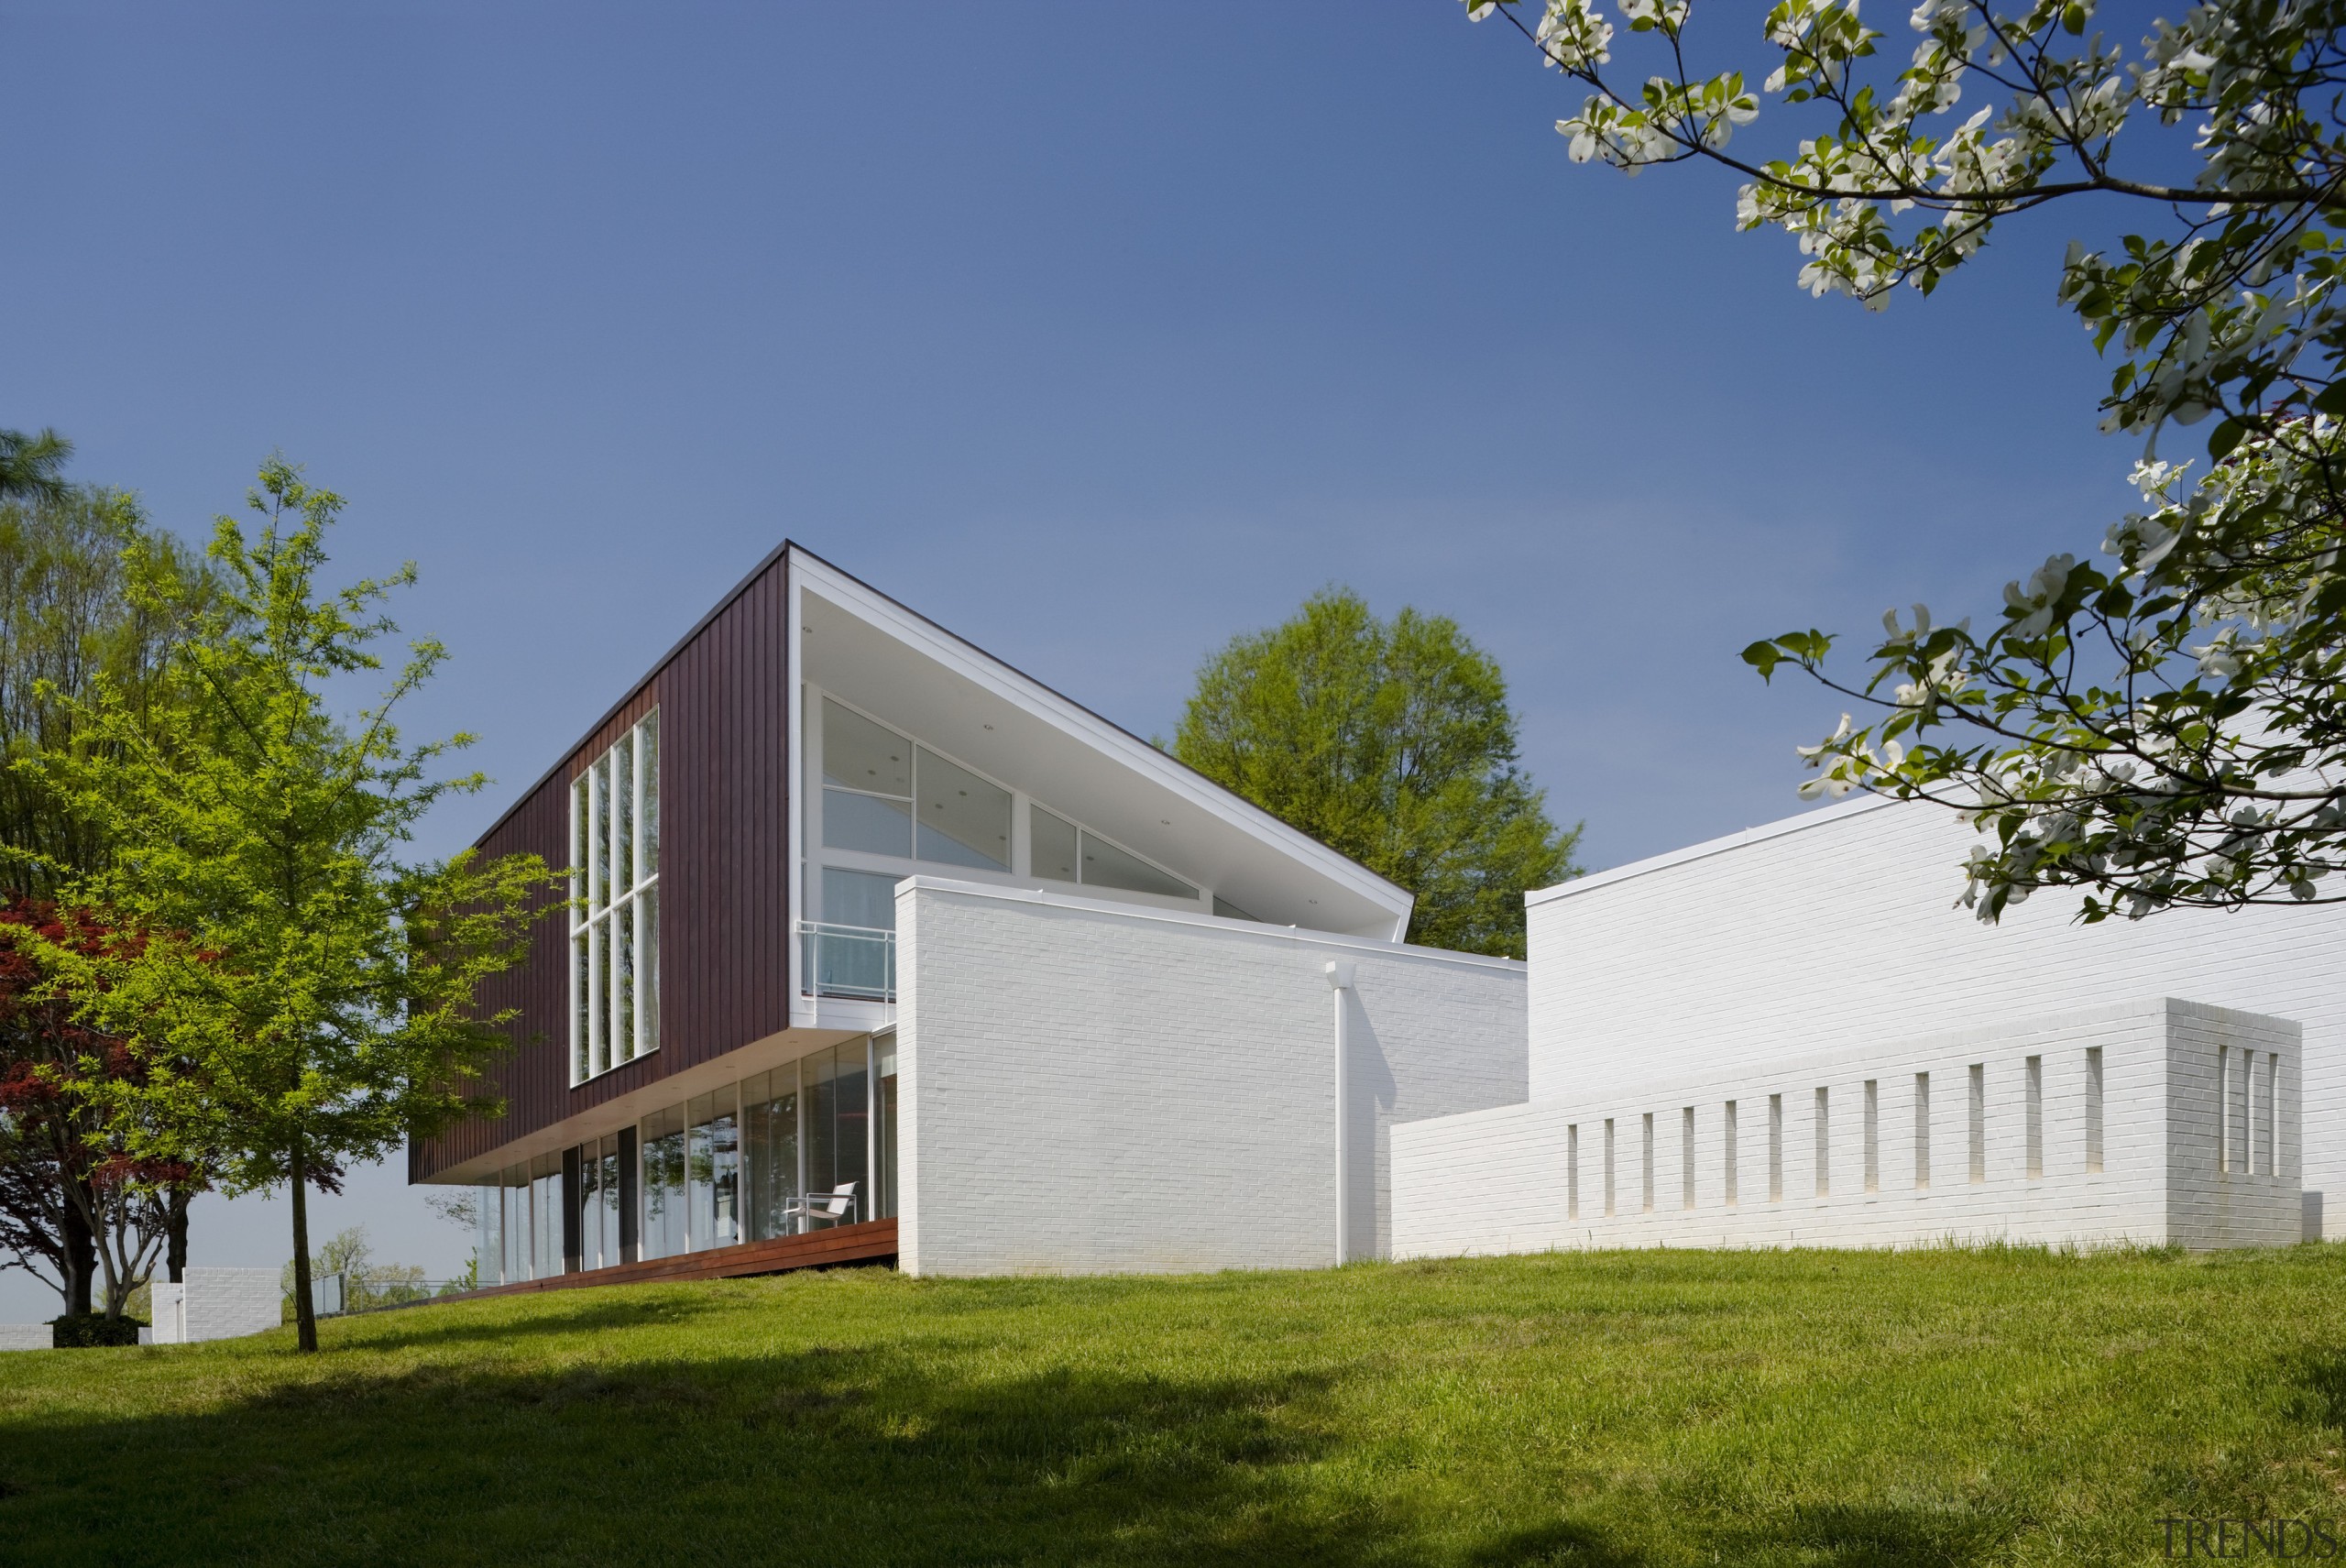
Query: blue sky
[[1098, 333]]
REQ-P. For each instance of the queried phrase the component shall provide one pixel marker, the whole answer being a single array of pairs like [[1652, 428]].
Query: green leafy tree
[[304, 997], [1391, 741], [2165, 726], [90, 593]]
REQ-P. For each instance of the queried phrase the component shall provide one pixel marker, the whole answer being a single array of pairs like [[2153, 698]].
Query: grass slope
[[1618, 1409]]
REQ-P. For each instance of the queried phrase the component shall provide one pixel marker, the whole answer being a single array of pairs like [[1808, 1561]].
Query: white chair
[[835, 1207]]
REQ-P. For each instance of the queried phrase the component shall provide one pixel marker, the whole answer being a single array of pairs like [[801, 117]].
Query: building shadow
[[808, 1455]]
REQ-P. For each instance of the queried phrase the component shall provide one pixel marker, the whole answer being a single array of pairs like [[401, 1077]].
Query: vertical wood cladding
[[724, 917]]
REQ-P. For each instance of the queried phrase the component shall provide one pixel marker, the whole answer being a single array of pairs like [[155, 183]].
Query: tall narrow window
[[1645, 1190], [615, 931], [1775, 1149], [1922, 1130], [1978, 1133], [2034, 1073], [2093, 1110], [2223, 1109], [1727, 1137], [2270, 1124], [1823, 1142], [1572, 1171], [1687, 1159], [1608, 1164], [769, 1143], [1873, 1135]]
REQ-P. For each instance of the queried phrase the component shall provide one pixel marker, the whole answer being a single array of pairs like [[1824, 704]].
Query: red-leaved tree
[[77, 1210]]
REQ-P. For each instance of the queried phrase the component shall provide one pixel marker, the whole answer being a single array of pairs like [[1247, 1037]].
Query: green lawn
[[1617, 1408]]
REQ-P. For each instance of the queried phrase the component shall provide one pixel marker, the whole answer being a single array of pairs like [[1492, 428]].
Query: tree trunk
[[81, 1257], [305, 1320], [175, 1254]]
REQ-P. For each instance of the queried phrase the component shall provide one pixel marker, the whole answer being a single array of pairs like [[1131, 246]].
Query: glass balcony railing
[[854, 962]]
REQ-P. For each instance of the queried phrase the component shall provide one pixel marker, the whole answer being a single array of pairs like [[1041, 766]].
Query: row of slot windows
[[2248, 1140]]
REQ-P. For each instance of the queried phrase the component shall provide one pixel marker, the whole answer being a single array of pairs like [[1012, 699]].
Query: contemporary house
[[1792, 1036], [883, 949]]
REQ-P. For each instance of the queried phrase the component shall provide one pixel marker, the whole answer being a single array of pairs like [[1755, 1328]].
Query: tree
[[89, 592], [74, 1196], [2165, 727], [1392, 742], [304, 996], [33, 466]]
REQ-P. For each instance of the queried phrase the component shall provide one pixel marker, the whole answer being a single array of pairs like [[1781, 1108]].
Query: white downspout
[[1339, 983]]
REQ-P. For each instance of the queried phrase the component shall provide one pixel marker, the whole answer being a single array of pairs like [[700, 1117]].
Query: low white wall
[[1536, 1176], [217, 1303], [1837, 929], [1089, 1088], [26, 1336]]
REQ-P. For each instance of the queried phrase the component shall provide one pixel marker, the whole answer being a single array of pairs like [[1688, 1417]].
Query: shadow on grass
[[822, 1457], [1827, 1536]]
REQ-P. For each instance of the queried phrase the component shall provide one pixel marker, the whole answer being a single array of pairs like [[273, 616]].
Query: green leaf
[[2224, 437], [1764, 657]]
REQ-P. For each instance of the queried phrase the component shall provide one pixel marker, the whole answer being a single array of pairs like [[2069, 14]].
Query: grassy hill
[[1650, 1407]]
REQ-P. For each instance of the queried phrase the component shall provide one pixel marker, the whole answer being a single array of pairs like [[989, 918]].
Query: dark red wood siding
[[725, 904]]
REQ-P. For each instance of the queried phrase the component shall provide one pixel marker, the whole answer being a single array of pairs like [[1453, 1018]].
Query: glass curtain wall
[[598, 1203], [839, 1122], [664, 1183], [714, 1173], [769, 1144], [717, 1171], [545, 1216], [883, 1107]]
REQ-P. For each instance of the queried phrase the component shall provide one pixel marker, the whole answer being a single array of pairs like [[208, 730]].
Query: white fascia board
[[1023, 691], [1134, 912], [1822, 816]]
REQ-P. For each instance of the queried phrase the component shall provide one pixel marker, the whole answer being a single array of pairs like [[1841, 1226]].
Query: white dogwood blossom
[[2167, 724]]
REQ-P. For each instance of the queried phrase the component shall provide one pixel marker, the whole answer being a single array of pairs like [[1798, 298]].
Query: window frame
[[598, 910]]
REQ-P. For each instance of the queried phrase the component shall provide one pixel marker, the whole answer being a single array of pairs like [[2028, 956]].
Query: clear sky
[[1097, 332]]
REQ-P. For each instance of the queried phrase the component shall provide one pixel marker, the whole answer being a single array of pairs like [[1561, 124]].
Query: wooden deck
[[874, 1241]]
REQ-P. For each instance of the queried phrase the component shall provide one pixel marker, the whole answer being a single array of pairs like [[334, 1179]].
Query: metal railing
[[852, 962]]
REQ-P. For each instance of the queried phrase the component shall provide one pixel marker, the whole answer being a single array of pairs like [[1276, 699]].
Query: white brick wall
[[26, 1336], [1842, 931], [217, 1303], [1508, 1179], [1089, 1088]]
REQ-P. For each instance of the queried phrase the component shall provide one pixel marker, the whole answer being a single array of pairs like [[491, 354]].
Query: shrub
[[79, 1331]]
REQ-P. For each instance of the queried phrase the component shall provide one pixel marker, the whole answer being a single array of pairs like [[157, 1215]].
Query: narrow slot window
[[2093, 1110], [1645, 1161], [1687, 1159], [1727, 1137], [1922, 1130], [1572, 1171], [2223, 1108], [2271, 1121], [1608, 1165], [1775, 1149], [1978, 1138], [1873, 1135], [1823, 1142], [2035, 1075]]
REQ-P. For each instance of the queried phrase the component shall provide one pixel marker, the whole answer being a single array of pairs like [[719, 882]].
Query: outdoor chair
[[835, 1207]]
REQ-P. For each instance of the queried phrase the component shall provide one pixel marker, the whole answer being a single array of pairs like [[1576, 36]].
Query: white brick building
[[1819, 970]]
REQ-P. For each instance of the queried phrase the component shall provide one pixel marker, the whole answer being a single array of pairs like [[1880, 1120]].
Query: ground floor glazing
[[800, 1147]]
